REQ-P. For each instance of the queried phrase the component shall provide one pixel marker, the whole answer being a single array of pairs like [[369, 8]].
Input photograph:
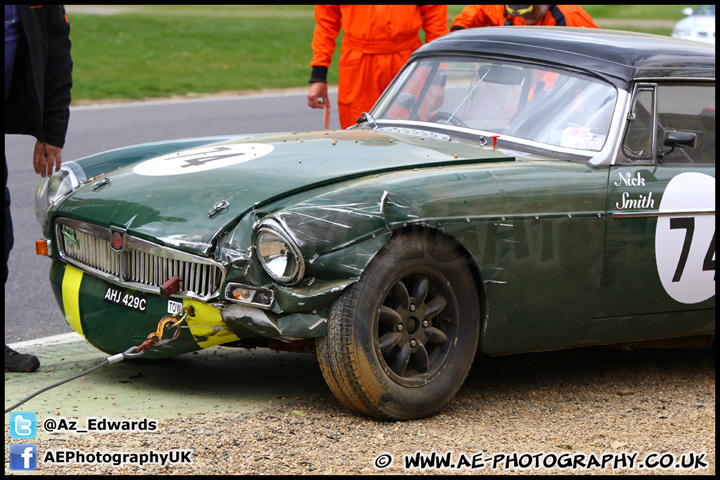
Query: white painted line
[[47, 341], [202, 98]]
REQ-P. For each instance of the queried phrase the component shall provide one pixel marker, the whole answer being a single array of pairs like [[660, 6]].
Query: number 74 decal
[[685, 244], [688, 223]]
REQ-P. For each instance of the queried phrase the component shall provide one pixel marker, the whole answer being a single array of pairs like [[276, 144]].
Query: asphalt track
[[205, 381], [30, 307]]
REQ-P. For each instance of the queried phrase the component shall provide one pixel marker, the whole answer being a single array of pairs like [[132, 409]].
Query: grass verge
[[136, 52]]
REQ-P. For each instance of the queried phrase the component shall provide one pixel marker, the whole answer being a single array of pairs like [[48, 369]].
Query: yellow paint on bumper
[[207, 326], [71, 297]]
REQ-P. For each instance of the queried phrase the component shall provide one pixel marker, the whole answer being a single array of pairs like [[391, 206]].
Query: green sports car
[[513, 190]]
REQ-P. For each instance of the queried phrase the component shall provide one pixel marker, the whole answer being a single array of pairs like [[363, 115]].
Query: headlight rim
[[46, 199], [274, 227]]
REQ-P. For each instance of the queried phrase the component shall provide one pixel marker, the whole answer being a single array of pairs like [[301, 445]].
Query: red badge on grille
[[117, 241]]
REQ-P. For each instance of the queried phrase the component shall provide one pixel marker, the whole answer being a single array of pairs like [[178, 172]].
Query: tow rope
[[154, 339]]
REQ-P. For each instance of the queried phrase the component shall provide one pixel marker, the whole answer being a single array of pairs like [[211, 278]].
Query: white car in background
[[698, 25]]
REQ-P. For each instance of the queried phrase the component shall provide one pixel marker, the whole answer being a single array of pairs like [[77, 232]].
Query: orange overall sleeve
[[377, 41], [474, 16], [494, 15], [327, 28], [435, 21]]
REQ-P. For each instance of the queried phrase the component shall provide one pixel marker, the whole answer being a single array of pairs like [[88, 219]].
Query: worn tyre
[[400, 342]]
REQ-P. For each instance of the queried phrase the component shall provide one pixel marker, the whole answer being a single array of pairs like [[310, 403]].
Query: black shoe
[[19, 362]]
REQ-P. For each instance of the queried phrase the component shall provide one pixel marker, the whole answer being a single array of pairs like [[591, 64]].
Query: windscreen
[[550, 106]]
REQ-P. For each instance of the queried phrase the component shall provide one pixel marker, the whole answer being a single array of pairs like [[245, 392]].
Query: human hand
[[318, 96], [45, 157]]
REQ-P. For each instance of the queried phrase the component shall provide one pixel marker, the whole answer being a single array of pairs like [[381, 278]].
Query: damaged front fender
[[338, 233], [246, 321]]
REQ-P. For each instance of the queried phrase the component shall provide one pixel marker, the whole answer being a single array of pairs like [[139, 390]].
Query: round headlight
[[279, 255], [53, 188]]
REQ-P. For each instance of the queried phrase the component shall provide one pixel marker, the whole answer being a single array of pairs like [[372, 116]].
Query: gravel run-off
[[564, 404]]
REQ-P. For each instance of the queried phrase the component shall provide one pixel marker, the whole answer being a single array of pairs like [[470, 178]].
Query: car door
[[659, 262]]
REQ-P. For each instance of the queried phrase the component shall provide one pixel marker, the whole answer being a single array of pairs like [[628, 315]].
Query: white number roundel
[[201, 159], [685, 243]]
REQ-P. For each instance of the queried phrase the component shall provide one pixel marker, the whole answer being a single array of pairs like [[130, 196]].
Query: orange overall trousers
[[377, 42]]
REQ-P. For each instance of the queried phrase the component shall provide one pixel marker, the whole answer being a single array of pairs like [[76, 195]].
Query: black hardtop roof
[[620, 57]]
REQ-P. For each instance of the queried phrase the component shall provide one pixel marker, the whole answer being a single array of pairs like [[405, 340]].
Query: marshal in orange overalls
[[497, 15], [474, 16], [377, 42]]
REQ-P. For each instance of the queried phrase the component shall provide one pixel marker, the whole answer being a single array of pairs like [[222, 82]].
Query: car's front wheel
[[400, 342]]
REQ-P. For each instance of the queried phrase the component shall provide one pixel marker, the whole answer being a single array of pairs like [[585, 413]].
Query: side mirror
[[680, 139], [687, 11]]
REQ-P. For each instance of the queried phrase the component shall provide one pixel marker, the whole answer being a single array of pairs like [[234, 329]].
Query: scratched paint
[[526, 223]]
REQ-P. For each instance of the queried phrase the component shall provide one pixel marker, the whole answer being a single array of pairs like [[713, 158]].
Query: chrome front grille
[[88, 250], [119, 257], [151, 269]]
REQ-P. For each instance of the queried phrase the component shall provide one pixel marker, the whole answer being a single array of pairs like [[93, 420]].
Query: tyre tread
[[338, 357]]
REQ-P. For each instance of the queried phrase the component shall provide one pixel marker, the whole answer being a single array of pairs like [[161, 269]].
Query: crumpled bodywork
[[335, 202], [513, 254], [165, 192], [269, 230]]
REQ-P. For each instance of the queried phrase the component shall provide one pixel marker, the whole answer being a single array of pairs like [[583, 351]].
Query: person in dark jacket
[[38, 78]]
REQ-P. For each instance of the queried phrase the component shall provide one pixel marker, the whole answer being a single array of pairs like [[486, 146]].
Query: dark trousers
[[9, 237]]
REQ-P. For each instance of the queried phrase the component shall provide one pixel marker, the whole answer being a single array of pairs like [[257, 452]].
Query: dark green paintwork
[[630, 250], [167, 207], [112, 328], [534, 227]]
